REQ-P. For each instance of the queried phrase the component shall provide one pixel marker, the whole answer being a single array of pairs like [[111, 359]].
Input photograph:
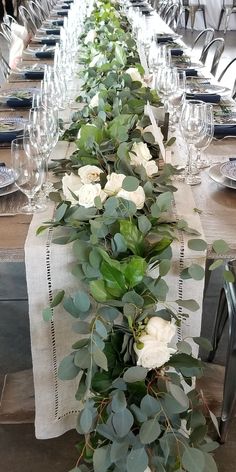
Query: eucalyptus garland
[[117, 209]]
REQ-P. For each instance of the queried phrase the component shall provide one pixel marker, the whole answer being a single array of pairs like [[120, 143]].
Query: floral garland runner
[[117, 209]]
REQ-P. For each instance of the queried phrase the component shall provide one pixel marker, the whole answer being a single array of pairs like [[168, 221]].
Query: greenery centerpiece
[[140, 410]]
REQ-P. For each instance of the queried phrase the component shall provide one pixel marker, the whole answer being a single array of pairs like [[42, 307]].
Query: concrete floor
[[19, 450]]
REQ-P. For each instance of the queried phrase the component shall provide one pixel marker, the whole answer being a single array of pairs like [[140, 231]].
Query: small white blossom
[[90, 37], [114, 183], [137, 196], [89, 174], [73, 183], [88, 192]]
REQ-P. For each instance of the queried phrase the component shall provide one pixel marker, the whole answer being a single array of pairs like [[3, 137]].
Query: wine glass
[[166, 83], [176, 97], [206, 138], [29, 172], [192, 128]]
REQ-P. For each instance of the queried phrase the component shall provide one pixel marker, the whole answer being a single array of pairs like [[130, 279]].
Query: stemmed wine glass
[[192, 128], [29, 171], [166, 83], [176, 97], [206, 138]]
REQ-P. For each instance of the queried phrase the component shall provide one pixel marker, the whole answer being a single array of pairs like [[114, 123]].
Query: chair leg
[[204, 17], [229, 398], [221, 17], [192, 17], [227, 17], [186, 17], [220, 322]]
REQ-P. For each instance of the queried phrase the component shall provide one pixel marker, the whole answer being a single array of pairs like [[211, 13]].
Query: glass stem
[[198, 158]]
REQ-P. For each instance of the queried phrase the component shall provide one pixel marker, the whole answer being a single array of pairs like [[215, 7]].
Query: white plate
[[8, 190], [7, 177], [215, 174], [208, 88], [228, 170]]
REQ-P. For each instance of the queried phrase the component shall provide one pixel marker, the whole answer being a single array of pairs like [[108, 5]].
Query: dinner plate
[[228, 169], [207, 88], [20, 94], [216, 175], [7, 177], [8, 125], [8, 190]]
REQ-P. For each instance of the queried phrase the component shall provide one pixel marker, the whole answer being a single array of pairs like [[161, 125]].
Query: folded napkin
[[164, 39], [49, 42], [176, 52], [44, 54], [224, 130], [65, 7], [58, 22], [62, 13], [53, 31], [15, 102], [204, 97], [191, 72], [34, 75], [8, 137], [68, 1]]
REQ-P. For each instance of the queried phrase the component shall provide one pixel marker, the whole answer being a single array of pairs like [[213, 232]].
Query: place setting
[[45, 52], [19, 98], [224, 174]]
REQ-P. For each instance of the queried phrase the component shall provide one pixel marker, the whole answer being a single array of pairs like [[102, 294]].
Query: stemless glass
[[206, 138], [29, 171], [192, 127]]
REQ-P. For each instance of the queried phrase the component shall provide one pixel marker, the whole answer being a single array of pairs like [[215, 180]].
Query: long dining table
[[209, 204]]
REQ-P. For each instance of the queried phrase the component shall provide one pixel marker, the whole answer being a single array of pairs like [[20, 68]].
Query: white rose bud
[[70, 182], [89, 174], [90, 37], [139, 154], [151, 168], [88, 192], [154, 354], [134, 74], [161, 330], [94, 101], [137, 197], [114, 183]]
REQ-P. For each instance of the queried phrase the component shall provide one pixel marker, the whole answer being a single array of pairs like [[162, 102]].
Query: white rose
[[94, 101], [134, 74], [154, 354], [137, 197], [98, 60], [114, 183], [70, 182], [89, 174], [150, 167], [88, 192], [90, 37], [161, 330], [139, 154]]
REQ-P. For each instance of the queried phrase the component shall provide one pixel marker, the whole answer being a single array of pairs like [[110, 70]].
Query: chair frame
[[226, 10], [218, 53], [191, 10], [209, 33], [222, 75]]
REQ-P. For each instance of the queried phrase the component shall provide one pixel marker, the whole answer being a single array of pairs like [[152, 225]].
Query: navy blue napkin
[[190, 72], [58, 22], [34, 75], [164, 39], [65, 7], [62, 13], [44, 54], [53, 31], [224, 130], [204, 97], [15, 102], [177, 52], [8, 137], [49, 42]]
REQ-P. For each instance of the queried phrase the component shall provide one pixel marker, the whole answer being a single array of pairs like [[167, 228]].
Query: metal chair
[[205, 37], [171, 16], [27, 19], [4, 66], [233, 92], [227, 312], [191, 10], [227, 9], [218, 44], [6, 31]]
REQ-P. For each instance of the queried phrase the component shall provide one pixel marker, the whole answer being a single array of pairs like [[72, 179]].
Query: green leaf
[[85, 420], [149, 431], [135, 374], [101, 459], [193, 460], [119, 243], [69, 306], [197, 244], [196, 271], [164, 267], [101, 381], [47, 313], [179, 395], [81, 327], [214, 421], [122, 422], [119, 450], [120, 55], [144, 224], [216, 264], [82, 358], [135, 271], [140, 416], [60, 211], [113, 276], [150, 406], [67, 369], [101, 329], [130, 183], [98, 291], [172, 406], [137, 460], [210, 465], [133, 237], [57, 298], [109, 313], [220, 246], [100, 358], [164, 201], [228, 276], [133, 297], [81, 301], [203, 343], [184, 347], [118, 401], [190, 304]]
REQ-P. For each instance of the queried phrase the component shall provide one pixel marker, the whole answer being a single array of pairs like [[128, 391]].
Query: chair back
[[4, 66], [218, 44], [27, 19], [204, 37], [170, 14], [233, 61], [6, 31]]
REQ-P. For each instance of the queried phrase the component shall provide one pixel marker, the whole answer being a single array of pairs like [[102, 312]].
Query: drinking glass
[[176, 97], [206, 138], [192, 128], [166, 83], [29, 172]]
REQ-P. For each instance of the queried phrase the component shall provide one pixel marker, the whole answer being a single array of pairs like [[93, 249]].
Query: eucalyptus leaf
[[85, 420], [101, 459], [118, 401], [67, 369], [130, 183], [135, 374], [137, 460], [100, 358], [220, 246], [149, 431], [197, 244], [193, 460], [122, 422]]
